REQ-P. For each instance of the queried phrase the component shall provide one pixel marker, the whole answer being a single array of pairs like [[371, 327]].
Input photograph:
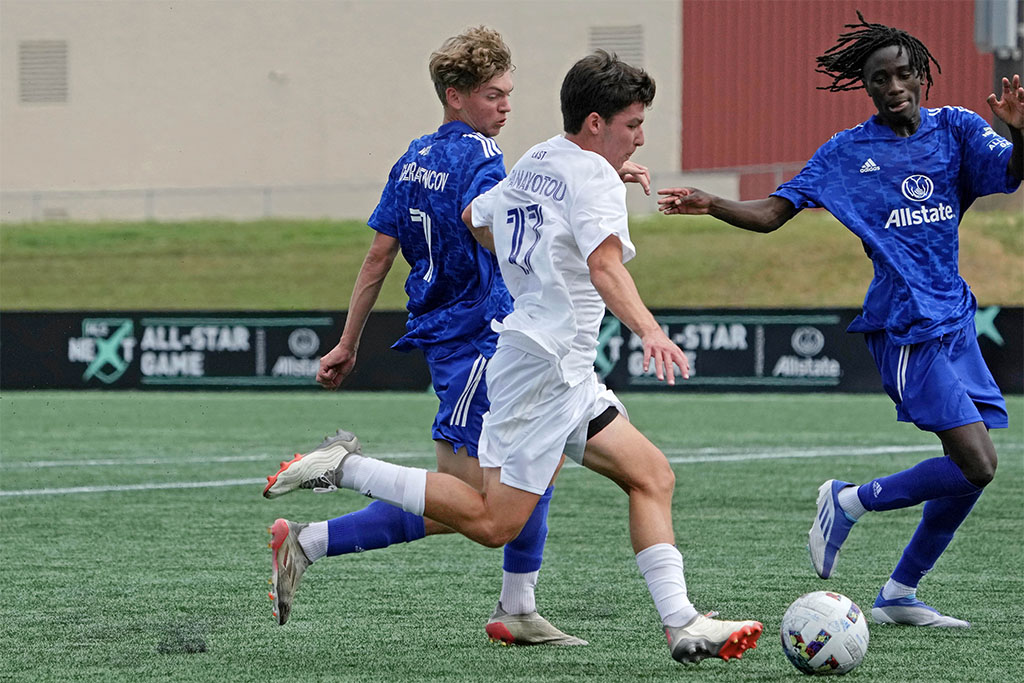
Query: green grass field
[[134, 539], [135, 534], [682, 262]]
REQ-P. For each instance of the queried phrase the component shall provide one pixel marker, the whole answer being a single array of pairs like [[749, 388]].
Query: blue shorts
[[461, 388], [941, 383]]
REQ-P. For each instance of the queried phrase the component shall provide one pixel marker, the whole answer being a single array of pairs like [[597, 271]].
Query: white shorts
[[535, 417]]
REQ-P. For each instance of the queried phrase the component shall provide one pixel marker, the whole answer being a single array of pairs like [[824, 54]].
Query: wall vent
[[625, 41], [43, 71]]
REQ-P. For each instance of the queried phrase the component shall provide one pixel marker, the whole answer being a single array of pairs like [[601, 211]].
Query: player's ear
[[593, 123], [453, 97]]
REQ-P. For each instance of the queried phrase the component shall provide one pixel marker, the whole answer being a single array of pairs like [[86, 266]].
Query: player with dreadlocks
[[844, 61], [901, 182]]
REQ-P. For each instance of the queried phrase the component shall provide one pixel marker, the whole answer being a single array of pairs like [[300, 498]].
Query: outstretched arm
[[337, 363], [615, 285], [1010, 110], [757, 215]]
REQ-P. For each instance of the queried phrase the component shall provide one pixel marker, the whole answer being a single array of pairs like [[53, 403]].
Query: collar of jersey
[[879, 129], [561, 141], [455, 128]]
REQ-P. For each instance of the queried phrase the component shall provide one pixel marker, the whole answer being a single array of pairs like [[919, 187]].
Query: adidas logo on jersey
[[869, 166], [425, 151]]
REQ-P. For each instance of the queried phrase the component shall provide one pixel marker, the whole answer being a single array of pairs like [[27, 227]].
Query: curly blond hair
[[468, 60]]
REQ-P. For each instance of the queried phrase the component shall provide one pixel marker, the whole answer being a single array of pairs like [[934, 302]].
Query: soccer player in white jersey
[[559, 227], [455, 290], [901, 182]]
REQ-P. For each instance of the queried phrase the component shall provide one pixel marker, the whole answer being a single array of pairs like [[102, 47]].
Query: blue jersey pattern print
[[904, 198], [454, 285]]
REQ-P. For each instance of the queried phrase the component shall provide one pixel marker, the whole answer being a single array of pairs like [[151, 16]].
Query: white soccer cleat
[[320, 469], [704, 637], [909, 611], [526, 629], [288, 562]]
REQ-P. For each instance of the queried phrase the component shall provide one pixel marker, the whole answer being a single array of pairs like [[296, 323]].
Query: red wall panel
[[749, 81]]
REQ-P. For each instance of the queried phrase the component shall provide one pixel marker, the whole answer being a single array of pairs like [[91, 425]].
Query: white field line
[[135, 487], [164, 462], [675, 456], [741, 455]]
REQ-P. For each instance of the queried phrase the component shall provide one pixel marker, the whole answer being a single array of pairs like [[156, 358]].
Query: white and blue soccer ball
[[824, 633]]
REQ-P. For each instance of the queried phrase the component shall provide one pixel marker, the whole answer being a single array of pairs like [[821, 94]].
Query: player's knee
[[497, 533], [658, 479], [982, 471], [666, 479], [977, 465], [499, 538]]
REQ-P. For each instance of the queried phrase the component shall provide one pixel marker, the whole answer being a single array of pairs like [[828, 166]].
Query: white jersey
[[557, 205]]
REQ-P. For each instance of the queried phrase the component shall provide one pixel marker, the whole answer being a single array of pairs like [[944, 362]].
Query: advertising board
[[729, 350]]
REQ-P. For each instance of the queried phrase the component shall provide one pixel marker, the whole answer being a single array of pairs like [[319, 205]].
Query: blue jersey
[[904, 198], [454, 285]]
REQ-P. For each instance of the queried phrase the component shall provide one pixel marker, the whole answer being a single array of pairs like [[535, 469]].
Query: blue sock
[[940, 520], [524, 553], [927, 480], [377, 525]]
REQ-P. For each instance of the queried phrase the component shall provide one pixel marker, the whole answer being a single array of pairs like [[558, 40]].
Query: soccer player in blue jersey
[[901, 182], [455, 290]]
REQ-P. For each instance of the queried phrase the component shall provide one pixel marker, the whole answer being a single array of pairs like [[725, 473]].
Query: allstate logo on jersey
[[917, 188]]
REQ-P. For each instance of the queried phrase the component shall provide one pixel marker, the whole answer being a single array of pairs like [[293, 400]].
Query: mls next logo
[[985, 324], [107, 345], [609, 342]]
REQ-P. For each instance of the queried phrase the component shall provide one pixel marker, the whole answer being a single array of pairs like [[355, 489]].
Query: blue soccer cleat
[[910, 611], [831, 527]]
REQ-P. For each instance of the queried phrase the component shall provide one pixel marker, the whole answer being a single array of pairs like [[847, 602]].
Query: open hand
[[684, 200], [1010, 108], [666, 356]]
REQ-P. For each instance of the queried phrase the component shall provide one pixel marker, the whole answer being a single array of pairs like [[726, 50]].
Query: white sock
[[850, 502], [405, 487], [662, 567], [313, 540], [517, 592], [894, 589]]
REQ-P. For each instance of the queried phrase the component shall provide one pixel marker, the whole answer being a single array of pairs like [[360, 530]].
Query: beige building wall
[[242, 108]]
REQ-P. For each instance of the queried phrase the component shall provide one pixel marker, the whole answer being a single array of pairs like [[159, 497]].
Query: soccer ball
[[824, 633]]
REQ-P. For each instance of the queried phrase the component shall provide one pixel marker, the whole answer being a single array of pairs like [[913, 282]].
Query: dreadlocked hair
[[844, 61]]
